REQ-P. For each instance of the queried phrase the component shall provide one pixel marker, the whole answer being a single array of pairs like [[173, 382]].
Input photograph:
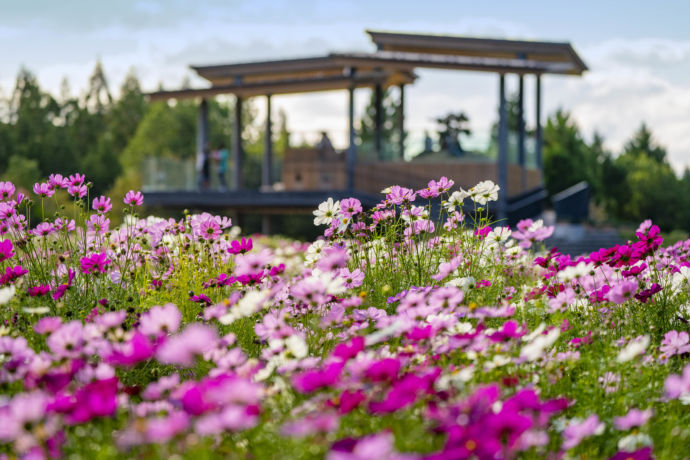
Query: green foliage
[[390, 135], [23, 172]]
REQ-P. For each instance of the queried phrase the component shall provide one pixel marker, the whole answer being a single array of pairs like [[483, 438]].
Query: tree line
[[106, 137]]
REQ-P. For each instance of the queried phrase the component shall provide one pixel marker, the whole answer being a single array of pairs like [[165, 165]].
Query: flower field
[[405, 332]]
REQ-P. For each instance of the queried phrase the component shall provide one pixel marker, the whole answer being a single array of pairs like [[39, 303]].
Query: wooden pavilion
[[394, 62]]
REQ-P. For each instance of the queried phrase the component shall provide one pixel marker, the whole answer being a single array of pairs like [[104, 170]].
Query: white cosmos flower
[[484, 192], [634, 348], [633, 442], [252, 302], [297, 346], [326, 212], [456, 199], [535, 349], [36, 310], [6, 294]]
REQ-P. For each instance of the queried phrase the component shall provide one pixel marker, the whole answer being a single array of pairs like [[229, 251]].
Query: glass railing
[[167, 174]]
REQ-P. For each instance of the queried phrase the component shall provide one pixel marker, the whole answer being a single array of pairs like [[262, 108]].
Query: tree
[[452, 126], [643, 143], [567, 159], [390, 135]]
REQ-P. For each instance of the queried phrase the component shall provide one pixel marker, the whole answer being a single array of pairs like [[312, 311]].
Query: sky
[[638, 53]]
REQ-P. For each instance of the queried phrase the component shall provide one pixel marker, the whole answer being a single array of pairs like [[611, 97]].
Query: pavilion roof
[[398, 55], [486, 48]]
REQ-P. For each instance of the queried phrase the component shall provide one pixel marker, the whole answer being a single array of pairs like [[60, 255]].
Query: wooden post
[[267, 164], [401, 123], [351, 158], [502, 163], [540, 140], [378, 120], [237, 153], [521, 135]]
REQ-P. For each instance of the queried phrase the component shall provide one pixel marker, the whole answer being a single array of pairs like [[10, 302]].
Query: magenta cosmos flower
[[94, 263], [6, 250]]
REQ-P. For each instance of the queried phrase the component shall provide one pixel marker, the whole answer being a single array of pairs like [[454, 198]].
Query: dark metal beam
[[401, 123], [267, 164], [378, 120], [352, 147], [502, 160], [540, 140], [237, 150], [202, 126], [521, 134]]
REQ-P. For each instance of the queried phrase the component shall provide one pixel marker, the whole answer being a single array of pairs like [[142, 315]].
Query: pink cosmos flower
[[350, 207], [562, 300], [376, 446], [622, 291], [44, 190], [678, 386], [6, 190], [160, 320], [76, 179], [577, 431], [57, 181], [183, 348], [209, 229], [102, 204], [47, 324], [43, 229], [98, 223], [68, 340], [64, 224], [138, 348], [133, 198], [94, 263], [353, 278], [399, 195], [77, 191], [675, 343], [632, 419]]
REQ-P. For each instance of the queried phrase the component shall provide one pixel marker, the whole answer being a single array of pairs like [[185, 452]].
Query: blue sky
[[638, 52]]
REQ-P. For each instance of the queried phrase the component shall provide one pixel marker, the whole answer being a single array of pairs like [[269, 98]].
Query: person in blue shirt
[[222, 159]]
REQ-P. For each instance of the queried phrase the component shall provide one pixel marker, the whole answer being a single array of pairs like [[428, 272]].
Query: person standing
[[222, 158]]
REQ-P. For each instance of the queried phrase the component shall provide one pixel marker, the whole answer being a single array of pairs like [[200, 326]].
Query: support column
[[266, 224], [401, 124], [267, 164], [502, 160], [237, 153], [202, 126], [521, 135], [540, 139], [351, 158], [378, 120]]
